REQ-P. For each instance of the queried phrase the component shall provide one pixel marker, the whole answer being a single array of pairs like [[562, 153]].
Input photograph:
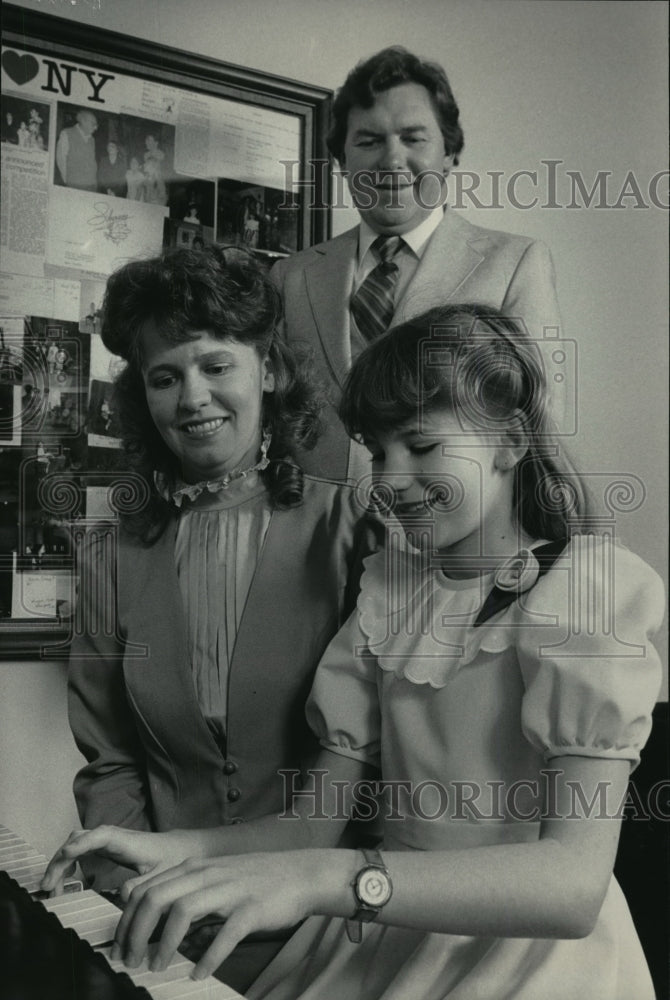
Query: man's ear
[[513, 442], [447, 164]]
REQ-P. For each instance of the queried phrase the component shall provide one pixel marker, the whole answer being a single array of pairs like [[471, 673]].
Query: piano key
[[93, 919]]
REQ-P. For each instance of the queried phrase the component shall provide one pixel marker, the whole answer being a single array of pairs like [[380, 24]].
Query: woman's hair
[[480, 365], [386, 69], [225, 292]]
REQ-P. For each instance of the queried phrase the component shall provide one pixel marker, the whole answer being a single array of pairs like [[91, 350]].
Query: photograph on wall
[[192, 201], [65, 352], [11, 402], [119, 155], [256, 217], [11, 351], [102, 425], [90, 306], [24, 123], [14, 377]]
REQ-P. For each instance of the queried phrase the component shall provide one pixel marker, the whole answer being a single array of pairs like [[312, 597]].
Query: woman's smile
[[205, 396], [203, 428]]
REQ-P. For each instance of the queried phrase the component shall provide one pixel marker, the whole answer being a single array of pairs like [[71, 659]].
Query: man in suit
[[396, 133]]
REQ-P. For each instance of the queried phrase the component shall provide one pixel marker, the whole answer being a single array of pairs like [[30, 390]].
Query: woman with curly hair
[[200, 630]]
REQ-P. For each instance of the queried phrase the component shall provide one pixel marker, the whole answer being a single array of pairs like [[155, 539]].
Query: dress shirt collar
[[416, 239]]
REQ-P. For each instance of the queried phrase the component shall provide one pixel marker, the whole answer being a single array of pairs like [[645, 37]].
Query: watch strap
[[365, 913]]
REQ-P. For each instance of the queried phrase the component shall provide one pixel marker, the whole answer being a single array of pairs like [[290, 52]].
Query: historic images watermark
[[549, 185], [525, 800]]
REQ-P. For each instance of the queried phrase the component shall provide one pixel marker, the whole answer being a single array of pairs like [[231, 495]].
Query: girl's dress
[[470, 718]]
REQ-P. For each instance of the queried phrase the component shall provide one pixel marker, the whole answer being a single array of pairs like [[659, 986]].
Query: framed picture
[[113, 148]]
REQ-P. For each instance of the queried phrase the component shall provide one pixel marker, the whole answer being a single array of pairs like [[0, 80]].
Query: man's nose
[[393, 154]]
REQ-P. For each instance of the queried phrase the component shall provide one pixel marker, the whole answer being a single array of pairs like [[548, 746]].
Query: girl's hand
[[252, 892], [147, 853]]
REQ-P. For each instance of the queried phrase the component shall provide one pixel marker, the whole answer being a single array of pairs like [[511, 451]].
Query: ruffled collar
[[419, 623], [177, 491]]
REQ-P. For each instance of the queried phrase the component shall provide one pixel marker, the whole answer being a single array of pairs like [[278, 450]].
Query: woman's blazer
[[153, 763]]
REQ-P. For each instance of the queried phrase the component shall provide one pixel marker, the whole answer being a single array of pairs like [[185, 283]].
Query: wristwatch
[[372, 889]]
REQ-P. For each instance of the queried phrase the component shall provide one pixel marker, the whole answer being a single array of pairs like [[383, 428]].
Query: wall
[[581, 83]]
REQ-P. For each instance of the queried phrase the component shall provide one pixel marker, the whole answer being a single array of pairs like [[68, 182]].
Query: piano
[[59, 948]]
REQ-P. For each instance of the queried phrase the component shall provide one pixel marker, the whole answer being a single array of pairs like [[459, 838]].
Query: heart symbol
[[21, 69]]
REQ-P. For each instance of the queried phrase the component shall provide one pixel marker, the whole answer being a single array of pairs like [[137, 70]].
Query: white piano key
[[179, 968], [94, 918], [27, 874], [24, 864], [175, 981], [17, 851], [86, 900], [203, 989]]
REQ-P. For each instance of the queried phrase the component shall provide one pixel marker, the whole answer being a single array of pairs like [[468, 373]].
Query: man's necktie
[[372, 303]]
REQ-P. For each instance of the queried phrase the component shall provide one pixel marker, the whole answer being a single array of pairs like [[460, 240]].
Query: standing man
[[397, 135], [75, 153]]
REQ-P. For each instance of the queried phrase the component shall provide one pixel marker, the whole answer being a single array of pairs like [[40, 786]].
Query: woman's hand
[[252, 892], [147, 853]]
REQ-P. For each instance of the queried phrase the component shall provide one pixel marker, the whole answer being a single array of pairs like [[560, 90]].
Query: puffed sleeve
[[111, 787], [343, 706], [590, 673]]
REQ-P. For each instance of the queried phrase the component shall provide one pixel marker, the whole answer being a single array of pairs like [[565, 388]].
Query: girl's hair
[[221, 290], [481, 365]]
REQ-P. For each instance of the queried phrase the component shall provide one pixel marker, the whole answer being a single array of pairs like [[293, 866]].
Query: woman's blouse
[[219, 540]]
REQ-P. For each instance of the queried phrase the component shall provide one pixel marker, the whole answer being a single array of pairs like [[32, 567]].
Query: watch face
[[373, 887]]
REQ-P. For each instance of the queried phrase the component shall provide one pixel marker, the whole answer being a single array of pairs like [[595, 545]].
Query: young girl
[[499, 672]]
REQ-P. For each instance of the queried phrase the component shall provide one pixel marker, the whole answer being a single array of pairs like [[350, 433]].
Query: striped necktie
[[372, 303]]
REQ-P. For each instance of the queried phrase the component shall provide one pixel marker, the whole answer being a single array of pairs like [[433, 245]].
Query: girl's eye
[[422, 449], [218, 369], [163, 382]]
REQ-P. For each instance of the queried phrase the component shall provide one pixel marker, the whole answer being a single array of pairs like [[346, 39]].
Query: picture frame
[[113, 148]]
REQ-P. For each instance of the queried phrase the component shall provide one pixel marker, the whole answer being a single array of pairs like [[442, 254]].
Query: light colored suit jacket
[[462, 263], [153, 763]]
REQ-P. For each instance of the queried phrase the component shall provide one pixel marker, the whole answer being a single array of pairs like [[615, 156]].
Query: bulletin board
[[113, 148]]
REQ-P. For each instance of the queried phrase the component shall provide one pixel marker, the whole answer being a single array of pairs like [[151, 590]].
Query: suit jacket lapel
[[329, 279], [449, 260]]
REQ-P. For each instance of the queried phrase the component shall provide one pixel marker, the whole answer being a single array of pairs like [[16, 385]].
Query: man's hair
[[387, 69]]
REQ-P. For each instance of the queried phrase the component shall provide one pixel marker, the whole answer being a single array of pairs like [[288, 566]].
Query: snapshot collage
[[100, 168]]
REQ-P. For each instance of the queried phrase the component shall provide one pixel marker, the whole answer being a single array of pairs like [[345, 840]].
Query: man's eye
[[422, 449], [218, 369]]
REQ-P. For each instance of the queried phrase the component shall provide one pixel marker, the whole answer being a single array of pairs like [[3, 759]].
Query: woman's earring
[[265, 447], [504, 462]]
